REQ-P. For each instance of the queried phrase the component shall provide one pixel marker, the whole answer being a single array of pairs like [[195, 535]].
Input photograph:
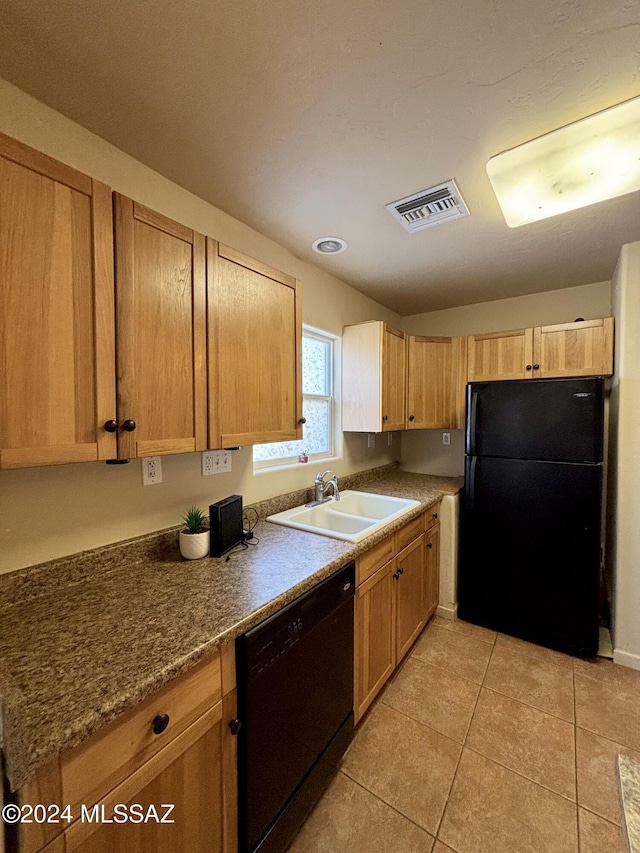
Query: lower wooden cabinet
[[162, 778], [396, 595]]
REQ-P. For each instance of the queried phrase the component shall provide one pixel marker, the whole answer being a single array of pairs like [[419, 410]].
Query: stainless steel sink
[[352, 518]]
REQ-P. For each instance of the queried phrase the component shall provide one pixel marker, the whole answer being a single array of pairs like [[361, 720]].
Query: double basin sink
[[352, 518]]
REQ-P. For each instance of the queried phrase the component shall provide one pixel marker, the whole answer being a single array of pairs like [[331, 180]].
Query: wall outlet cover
[[371, 440], [151, 470], [446, 438]]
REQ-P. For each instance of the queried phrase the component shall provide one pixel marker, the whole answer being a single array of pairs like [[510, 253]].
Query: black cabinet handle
[[160, 723], [301, 421], [400, 571], [429, 544], [536, 367], [412, 417], [396, 575], [434, 515], [111, 426], [528, 367], [128, 425], [385, 417], [235, 726]]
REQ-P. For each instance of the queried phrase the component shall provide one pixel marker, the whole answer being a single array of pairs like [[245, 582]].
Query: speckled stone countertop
[[629, 771], [84, 638]]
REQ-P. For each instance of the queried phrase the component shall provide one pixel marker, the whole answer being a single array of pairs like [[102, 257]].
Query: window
[[317, 406]]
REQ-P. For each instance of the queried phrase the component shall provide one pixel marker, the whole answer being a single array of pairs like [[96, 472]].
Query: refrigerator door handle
[[471, 425], [472, 481]]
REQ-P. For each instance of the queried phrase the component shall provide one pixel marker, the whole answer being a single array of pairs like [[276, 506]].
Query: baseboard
[[626, 659], [450, 613]]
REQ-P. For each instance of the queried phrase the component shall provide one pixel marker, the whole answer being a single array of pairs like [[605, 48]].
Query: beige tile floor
[[482, 743]]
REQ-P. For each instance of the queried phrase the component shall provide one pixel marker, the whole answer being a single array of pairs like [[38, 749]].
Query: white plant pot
[[193, 546]]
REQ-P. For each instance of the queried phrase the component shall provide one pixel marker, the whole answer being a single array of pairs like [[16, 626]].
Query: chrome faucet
[[321, 488]]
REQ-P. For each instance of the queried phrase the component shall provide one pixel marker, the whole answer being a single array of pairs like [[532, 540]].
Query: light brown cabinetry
[[584, 348], [396, 594], [436, 376], [255, 350], [175, 748], [57, 349], [373, 378], [161, 333]]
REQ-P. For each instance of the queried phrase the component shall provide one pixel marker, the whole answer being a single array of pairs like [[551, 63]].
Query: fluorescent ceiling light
[[591, 160]]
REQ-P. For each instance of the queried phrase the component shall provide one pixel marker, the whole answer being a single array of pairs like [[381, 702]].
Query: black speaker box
[[226, 524]]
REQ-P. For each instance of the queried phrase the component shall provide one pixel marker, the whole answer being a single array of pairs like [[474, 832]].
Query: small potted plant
[[194, 536]]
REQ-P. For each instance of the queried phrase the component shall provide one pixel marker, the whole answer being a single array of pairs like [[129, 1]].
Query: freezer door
[[530, 551], [555, 419]]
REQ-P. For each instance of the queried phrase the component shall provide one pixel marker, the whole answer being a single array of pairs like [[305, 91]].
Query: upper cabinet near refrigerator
[[584, 348]]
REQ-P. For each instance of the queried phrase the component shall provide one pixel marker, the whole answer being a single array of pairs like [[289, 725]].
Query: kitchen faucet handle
[[320, 477]]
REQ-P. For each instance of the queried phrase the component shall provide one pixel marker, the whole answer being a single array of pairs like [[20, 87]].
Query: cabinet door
[[574, 349], [161, 333], [429, 382], [500, 355], [57, 354], [374, 658], [409, 595], [393, 378], [255, 350], [432, 571], [189, 773]]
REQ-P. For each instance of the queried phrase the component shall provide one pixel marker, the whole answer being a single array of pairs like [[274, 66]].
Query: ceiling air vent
[[429, 207]]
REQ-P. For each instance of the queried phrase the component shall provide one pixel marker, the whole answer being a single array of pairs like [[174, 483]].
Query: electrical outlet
[[446, 438], [371, 440], [208, 463], [151, 471], [215, 462]]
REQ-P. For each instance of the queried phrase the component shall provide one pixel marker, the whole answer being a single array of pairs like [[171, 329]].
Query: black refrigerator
[[529, 561]]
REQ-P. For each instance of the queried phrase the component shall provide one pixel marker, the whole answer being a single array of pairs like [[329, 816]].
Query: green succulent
[[194, 520]]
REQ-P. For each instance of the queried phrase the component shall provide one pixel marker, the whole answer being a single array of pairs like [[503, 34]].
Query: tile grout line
[[388, 805], [455, 773], [575, 755]]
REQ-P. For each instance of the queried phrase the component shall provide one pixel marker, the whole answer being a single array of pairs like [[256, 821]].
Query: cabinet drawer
[[95, 767], [372, 560], [432, 516], [409, 532]]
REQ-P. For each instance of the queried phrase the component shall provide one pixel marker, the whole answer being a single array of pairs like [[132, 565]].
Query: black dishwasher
[[295, 704]]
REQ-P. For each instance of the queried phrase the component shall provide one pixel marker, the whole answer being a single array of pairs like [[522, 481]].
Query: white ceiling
[[304, 119]]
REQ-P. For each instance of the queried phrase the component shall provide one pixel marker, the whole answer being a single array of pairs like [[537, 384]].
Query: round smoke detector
[[329, 246]]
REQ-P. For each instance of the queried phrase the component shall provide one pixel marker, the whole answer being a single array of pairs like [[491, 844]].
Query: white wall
[[422, 450], [50, 512], [623, 516]]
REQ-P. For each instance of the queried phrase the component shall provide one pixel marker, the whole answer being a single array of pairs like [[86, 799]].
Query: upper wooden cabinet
[[584, 348], [255, 350], [161, 333], [57, 348], [436, 375], [500, 355], [373, 378], [574, 349]]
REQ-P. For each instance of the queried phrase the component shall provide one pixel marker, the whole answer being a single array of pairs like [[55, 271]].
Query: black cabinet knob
[[412, 417], [111, 426], [528, 367], [536, 367], [400, 571], [396, 575], [429, 544], [128, 425], [160, 723], [434, 515], [385, 417], [235, 726], [301, 421]]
